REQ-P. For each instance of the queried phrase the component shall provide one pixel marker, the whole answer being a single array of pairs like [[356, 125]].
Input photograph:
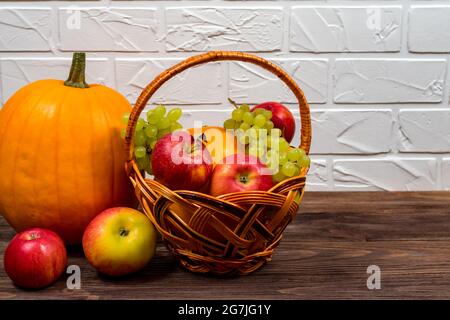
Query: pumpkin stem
[[76, 77]]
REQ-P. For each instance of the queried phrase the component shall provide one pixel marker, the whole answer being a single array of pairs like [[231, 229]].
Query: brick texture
[[338, 29], [374, 72]]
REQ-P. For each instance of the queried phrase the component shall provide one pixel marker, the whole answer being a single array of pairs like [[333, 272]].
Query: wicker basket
[[232, 233]]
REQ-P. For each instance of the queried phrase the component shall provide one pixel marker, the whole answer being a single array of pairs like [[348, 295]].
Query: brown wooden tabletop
[[324, 254]]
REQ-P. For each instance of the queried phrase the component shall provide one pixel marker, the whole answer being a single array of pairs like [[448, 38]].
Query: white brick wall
[[345, 28], [374, 72]]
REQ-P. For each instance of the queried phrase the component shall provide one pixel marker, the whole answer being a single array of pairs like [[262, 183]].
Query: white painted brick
[[446, 173], [389, 80], [294, 109], [387, 126], [16, 73], [424, 131], [317, 177], [224, 28], [341, 132], [198, 85], [115, 29], [25, 29], [385, 174], [252, 84], [429, 29], [337, 29]]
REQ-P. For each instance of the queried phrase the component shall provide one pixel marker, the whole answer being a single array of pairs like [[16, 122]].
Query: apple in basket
[[238, 173], [282, 118], [181, 163]]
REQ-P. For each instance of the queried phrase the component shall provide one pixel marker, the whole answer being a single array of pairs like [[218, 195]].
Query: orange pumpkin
[[217, 140], [61, 154]]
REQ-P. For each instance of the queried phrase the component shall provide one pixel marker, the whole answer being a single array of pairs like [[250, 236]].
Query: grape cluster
[[286, 163], [147, 132], [255, 130]]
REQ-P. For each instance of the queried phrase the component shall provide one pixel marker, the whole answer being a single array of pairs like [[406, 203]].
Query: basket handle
[[152, 87]]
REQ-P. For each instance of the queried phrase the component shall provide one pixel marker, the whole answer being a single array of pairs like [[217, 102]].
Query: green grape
[[139, 139], [164, 123], [288, 169], [270, 141], [243, 139], [260, 120], [279, 176], [272, 154], [258, 111], [283, 145], [252, 133], [253, 151], [237, 114], [143, 163], [273, 166], [229, 124], [304, 161], [244, 126], [269, 125], [275, 132], [295, 153], [163, 132], [251, 142], [175, 126], [151, 131], [261, 150], [160, 111], [149, 168], [261, 133], [267, 114], [297, 171], [257, 129], [140, 124], [282, 158], [174, 114], [262, 141], [140, 163], [152, 117], [123, 133], [244, 107], [126, 117], [153, 143], [247, 117], [140, 152]]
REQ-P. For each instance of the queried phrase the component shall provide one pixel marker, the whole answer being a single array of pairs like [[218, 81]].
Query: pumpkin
[[217, 141], [61, 154]]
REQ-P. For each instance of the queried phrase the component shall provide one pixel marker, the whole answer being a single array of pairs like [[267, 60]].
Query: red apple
[[35, 258], [282, 118], [181, 163], [239, 173], [119, 241]]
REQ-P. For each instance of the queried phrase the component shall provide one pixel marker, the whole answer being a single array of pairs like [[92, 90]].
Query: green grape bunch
[[158, 123], [255, 131]]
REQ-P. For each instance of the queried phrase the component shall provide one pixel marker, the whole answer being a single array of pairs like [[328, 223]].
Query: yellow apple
[[219, 142], [119, 241]]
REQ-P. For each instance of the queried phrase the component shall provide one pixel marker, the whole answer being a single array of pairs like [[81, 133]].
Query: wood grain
[[324, 254]]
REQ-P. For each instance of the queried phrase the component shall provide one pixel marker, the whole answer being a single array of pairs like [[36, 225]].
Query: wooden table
[[324, 254]]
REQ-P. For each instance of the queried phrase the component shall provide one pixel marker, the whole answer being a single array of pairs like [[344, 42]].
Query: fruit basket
[[233, 233]]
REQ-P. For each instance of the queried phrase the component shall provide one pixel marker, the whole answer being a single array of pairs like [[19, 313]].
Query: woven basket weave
[[232, 233]]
